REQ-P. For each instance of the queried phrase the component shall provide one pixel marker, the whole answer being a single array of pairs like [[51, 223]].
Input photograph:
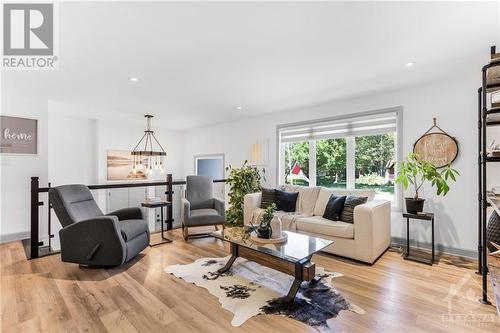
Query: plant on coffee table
[[243, 180], [264, 230]]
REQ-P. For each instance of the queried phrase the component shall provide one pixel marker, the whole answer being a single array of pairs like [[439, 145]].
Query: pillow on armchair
[[286, 201]]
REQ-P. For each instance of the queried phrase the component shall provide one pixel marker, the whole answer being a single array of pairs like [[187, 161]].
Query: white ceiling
[[196, 62]]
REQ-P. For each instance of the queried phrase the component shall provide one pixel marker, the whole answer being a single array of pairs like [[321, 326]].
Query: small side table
[[426, 217], [161, 205]]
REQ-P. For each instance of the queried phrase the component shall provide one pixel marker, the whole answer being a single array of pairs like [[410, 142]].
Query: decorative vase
[[413, 206], [264, 232], [276, 227]]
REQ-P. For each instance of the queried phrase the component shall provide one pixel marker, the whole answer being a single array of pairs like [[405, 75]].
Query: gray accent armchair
[[89, 237], [200, 208]]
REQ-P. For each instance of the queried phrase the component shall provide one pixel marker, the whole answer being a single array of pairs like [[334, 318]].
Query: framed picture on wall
[[120, 165], [19, 135]]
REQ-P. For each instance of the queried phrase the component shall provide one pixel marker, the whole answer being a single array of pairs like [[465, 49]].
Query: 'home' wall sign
[[19, 135]]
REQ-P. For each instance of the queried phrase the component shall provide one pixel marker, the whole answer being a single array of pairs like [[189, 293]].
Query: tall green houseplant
[[241, 181], [416, 172]]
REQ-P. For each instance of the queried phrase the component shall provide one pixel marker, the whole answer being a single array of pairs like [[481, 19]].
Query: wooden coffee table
[[292, 257]]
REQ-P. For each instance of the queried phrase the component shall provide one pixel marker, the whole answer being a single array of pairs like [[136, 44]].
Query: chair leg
[[185, 232], [216, 228]]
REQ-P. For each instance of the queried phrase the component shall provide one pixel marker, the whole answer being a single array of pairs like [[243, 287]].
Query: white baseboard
[[14, 236], [439, 248]]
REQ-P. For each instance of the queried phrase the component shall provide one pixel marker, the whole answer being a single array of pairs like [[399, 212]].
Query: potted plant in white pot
[[416, 172]]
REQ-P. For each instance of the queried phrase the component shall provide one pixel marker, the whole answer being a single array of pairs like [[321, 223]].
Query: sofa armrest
[[185, 210], [220, 206], [131, 213], [372, 225], [96, 241], [250, 203]]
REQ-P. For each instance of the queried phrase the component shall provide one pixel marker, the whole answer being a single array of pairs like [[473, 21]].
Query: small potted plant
[[264, 230], [416, 172]]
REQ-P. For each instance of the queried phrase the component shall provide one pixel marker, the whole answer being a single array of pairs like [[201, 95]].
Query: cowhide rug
[[249, 289]]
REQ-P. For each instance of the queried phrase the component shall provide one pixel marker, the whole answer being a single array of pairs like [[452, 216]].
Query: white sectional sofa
[[364, 240]]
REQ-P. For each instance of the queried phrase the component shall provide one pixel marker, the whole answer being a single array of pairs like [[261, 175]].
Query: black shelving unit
[[486, 118]]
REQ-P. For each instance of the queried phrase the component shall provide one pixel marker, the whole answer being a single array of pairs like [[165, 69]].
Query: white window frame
[[216, 156], [350, 152]]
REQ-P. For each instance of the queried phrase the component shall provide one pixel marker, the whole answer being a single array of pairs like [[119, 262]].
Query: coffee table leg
[[234, 255], [293, 291], [296, 282]]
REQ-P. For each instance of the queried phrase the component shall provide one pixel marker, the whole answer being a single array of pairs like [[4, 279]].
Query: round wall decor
[[439, 148]]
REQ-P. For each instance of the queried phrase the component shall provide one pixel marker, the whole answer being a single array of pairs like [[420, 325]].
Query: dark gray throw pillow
[[286, 201], [334, 207], [268, 197], [348, 210]]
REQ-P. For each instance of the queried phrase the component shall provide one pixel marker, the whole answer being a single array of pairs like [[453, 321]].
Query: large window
[[374, 164], [296, 163], [349, 152], [331, 163]]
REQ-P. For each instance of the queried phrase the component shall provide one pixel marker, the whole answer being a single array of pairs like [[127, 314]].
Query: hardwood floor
[[397, 295]]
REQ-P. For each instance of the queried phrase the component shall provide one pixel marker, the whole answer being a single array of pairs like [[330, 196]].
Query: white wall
[[452, 102], [72, 145], [90, 133], [16, 170]]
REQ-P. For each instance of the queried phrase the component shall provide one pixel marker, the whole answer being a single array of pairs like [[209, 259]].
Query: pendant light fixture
[[144, 152]]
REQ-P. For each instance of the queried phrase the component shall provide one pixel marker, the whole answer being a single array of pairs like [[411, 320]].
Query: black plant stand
[[426, 217]]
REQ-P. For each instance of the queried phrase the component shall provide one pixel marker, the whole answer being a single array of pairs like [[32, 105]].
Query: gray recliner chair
[[89, 237], [200, 208]]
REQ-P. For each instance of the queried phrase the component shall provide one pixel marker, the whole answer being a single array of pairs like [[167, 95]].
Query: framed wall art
[[120, 164], [19, 135]]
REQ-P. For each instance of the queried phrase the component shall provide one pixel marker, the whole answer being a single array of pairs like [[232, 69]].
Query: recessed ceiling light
[[410, 64], [239, 108], [133, 79]]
